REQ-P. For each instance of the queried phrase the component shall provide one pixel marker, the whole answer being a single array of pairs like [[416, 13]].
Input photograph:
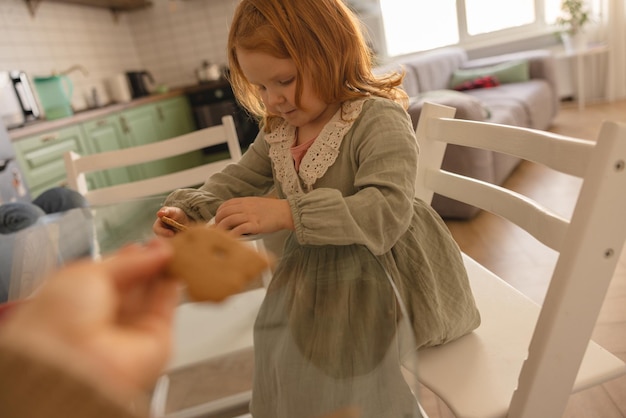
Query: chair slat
[[536, 219], [541, 147]]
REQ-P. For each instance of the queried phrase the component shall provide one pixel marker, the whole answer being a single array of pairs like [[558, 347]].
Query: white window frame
[[538, 28]]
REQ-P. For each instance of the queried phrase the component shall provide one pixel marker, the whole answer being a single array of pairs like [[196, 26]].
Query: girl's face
[[275, 79]]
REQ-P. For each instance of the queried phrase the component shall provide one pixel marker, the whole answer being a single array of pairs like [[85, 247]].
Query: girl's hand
[[161, 229], [254, 215], [108, 323]]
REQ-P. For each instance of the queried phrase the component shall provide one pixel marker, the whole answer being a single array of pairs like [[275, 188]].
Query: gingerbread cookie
[[213, 264]]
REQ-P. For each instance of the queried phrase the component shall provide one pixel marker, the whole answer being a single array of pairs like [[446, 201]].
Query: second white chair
[[524, 360]]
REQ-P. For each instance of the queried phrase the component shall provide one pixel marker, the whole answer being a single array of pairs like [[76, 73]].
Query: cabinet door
[[174, 118], [41, 157], [107, 134], [143, 128], [159, 121]]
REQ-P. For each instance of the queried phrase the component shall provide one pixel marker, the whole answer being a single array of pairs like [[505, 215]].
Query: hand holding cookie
[[170, 220], [213, 264]]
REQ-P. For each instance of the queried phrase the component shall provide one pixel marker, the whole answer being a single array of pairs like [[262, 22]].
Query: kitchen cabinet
[[41, 157], [107, 134], [159, 121]]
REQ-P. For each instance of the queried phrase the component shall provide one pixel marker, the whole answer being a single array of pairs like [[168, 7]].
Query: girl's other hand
[[161, 229], [254, 215]]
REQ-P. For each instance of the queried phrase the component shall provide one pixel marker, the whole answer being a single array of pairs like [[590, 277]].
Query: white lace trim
[[319, 157]]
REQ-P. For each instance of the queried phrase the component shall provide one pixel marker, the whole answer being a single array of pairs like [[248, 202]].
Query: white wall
[[169, 42]]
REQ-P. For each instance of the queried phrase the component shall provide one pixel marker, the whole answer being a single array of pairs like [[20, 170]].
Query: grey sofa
[[527, 98]]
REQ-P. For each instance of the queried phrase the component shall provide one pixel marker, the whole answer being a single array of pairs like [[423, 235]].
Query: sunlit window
[[413, 25], [418, 25], [484, 16]]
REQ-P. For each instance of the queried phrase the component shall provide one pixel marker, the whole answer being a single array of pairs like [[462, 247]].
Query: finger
[[141, 264]]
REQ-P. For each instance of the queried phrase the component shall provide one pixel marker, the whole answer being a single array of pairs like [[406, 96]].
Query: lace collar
[[320, 156]]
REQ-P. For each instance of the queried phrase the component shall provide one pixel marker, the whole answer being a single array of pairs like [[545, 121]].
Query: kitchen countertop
[[42, 125]]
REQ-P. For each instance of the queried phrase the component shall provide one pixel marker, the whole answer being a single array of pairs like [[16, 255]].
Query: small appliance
[[119, 89], [138, 83], [55, 95], [18, 103]]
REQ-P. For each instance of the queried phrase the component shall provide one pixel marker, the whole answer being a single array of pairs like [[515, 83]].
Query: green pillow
[[506, 72]]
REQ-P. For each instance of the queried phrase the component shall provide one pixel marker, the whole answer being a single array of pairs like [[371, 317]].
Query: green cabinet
[[159, 121], [41, 157], [107, 134]]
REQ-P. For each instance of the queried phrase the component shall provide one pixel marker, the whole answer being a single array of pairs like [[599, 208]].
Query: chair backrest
[[525, 360], [78, 165]]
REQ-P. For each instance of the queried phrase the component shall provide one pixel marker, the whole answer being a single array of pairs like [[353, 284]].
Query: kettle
[[208, 72], [137, 81], [55, 95]]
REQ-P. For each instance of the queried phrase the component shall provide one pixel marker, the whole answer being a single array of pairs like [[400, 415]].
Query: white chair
[[78, 165], [229, 323], [525, 360]]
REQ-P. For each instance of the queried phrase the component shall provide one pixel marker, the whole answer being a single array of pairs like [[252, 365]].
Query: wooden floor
[[511, 254]]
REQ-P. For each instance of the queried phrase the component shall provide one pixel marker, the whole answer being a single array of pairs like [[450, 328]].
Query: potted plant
[[574, 16]]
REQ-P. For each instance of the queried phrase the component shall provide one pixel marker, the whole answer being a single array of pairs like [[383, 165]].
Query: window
[[432, 24], [439, 23]]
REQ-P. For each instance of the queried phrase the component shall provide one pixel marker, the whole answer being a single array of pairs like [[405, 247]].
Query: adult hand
[[107, 323], [161, 229], [254, 215]]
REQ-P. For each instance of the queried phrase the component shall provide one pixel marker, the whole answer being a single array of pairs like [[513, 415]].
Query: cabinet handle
[[125, 127], [160, 112], [48, 138]]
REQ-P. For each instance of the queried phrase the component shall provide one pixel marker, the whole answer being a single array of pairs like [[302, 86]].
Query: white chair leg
[[159, 397]]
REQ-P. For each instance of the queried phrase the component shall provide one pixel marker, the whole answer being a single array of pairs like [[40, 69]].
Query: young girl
[[338, 152]]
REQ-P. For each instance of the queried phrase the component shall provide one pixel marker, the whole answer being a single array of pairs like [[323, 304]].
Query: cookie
[[173, 224], [213, 264]]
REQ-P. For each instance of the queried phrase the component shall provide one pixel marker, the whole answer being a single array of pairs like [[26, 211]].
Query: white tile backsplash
[[169, 39]]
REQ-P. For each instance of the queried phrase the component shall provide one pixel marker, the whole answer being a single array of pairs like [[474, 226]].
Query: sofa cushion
[[530, 101], [506, 72], [433, 69]]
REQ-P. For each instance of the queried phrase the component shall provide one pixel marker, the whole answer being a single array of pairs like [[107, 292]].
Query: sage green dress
[[329, 331]]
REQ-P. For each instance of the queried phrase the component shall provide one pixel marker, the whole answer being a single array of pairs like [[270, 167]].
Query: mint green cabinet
[[107, 134], [159, 121], [41, 157]]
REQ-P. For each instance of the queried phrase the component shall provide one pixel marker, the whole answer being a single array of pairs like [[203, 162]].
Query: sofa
[[514, 89]]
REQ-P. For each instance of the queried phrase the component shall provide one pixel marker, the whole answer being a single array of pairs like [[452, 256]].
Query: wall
[[168, 41]]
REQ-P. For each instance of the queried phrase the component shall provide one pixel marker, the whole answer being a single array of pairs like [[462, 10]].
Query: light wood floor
[[511, 254]]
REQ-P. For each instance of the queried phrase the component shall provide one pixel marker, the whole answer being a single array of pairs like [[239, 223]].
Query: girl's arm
[[251, 176]]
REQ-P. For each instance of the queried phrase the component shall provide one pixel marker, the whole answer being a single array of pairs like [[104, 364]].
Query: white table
[[579, 55]]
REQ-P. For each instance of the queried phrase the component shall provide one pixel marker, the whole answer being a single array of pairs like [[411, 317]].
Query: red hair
[[324, 40]]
